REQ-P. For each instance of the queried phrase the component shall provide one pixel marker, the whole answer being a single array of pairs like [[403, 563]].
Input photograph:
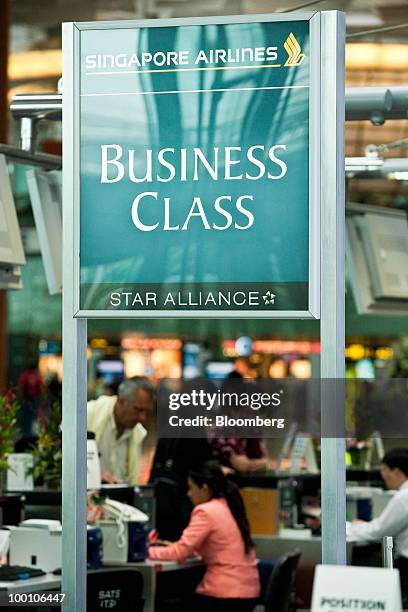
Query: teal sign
[[195, 169]]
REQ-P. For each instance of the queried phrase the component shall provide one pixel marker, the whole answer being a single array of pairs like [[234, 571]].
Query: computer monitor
[[385, 243], [218, 369], [46, 200], [191, 360], [10, 276], [11, 245], [369, 254], [111, 370]]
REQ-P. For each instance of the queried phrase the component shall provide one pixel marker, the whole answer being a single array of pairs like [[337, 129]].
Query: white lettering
[[196, 213], [222, 211], [115, 162], [276, 160], [149, 167], [167, 227], [231, 162], [245, 212], [161, 159], [115, 299], [135, 212], [199, 155], [255, 162], [90, 61]]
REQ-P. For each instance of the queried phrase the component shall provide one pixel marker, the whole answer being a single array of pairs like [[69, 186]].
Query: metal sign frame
[[72, 81], [328, 147]]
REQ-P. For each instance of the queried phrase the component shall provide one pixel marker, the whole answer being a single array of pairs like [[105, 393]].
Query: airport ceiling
[[48, 14]]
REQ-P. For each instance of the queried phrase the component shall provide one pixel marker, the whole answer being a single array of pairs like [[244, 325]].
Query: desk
[[41, 496], [150, 570], [272, 547], [46, 503], [270, 480], [309, 483], [49, 582]]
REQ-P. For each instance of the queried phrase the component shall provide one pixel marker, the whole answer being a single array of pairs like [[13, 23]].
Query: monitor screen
[[218, 369], [371, 294], [11, 246], [110, 370], [385, 243], [46, 200]]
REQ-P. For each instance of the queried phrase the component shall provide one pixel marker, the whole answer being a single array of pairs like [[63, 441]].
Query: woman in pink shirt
[[219, 533]]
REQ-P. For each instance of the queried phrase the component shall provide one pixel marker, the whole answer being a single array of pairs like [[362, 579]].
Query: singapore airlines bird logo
[[293, 49]]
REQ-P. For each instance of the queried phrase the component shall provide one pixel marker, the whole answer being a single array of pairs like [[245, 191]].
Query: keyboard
[[10, 573]]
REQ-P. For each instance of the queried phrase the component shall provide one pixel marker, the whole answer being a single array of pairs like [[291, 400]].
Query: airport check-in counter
[[265, 497], [262, 495], [272, 547], [309, 484], [46, 503], [290, 492]]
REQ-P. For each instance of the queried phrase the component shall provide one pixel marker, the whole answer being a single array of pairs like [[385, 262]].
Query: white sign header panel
[[349, 589]]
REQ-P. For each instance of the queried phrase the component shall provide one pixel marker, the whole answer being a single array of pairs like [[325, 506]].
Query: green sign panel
[[195, 193]]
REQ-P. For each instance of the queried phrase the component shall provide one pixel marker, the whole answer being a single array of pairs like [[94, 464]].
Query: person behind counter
[[171, 464], [218, 532], [243, 455], [117, 422], [393, 521]]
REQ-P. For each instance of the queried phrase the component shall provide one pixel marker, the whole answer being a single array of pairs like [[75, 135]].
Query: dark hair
[[210, 473], [397, 458], [234, 374]]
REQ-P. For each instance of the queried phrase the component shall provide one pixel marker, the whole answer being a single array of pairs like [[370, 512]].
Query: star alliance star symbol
[[269, 298]]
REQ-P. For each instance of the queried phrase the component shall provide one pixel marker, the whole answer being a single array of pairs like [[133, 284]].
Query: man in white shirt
[[117, 422], [393, 521]]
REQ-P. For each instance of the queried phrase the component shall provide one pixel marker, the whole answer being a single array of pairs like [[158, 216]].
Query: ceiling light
[[398, 176], [31, 65], [366, 19], [364, 56]]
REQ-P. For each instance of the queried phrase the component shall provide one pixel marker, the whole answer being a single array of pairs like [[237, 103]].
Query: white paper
[[346, 588], [4, 542]]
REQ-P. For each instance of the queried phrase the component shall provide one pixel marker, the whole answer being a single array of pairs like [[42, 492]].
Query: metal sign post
[[74, 391], [196, 153], [332, 339]]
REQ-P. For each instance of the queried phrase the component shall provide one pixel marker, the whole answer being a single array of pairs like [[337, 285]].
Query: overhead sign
[[349, 589], [198, 147]]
